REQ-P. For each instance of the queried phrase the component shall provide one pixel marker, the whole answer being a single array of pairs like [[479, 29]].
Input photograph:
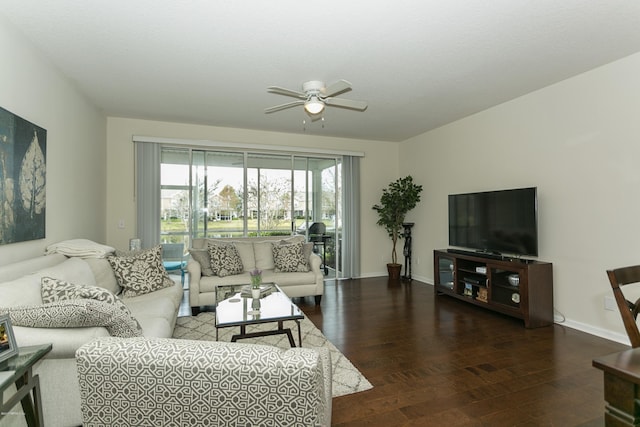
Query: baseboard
[[592, 330]]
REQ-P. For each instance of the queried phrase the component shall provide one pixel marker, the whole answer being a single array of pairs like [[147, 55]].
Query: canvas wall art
[[22, 179]]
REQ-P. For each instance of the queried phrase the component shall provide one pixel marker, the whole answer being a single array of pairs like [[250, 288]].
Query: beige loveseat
[[255, 253], [156, 313]]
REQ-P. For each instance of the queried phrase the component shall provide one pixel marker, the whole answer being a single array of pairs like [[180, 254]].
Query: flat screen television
[[499, 222]]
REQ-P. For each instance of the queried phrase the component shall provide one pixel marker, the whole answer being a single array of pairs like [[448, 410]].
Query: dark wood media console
[[515, 287]]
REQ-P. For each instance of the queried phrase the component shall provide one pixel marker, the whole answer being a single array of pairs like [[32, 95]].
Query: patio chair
[[173, 258]]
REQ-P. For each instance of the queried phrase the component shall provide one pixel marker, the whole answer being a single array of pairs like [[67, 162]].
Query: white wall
[[579, 142], [33, 89], [378, 168]]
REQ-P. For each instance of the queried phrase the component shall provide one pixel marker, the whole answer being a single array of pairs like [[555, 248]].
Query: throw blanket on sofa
[[81, 248]]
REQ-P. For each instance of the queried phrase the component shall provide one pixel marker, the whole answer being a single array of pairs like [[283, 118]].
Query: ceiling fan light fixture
[[314, 105]]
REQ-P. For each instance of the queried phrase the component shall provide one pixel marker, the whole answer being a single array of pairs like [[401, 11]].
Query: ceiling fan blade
[[336, 88], [283, 106], [286, 92], [347, 103]]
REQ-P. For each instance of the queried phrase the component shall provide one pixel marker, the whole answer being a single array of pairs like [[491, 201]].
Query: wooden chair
[[628, 310]]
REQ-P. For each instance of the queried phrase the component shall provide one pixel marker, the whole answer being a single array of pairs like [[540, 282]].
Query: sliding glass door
[[217, 183], [207, 193]]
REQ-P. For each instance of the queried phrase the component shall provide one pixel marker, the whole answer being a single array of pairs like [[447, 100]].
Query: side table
[[18, 370], [621, 387]]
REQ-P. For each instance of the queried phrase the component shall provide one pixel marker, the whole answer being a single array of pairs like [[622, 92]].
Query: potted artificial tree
[[399, 198]]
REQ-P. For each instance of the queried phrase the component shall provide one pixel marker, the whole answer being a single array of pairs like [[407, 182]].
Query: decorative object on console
[[514, 280], [483, 294], [399, 198], [22, 179]]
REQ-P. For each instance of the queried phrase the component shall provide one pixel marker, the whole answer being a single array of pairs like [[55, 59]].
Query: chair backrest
[[172, 251], [317, 228], [628, 310]]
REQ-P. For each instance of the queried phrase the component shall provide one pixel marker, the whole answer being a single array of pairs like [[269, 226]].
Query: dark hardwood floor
[[435, 361]]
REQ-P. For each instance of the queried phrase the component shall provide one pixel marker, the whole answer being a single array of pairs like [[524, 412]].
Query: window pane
[[218, 193], [174, 196], [269, 194]]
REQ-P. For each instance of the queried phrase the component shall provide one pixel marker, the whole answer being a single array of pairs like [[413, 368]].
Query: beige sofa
[[156, 312], [255, 253]]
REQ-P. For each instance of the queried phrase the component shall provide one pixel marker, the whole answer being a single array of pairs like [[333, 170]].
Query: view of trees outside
[[273, 207]]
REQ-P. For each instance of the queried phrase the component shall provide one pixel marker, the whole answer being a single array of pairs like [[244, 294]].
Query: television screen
[[504, 221]]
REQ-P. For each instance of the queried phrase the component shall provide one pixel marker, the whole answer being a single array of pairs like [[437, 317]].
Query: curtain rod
[[237, 145]]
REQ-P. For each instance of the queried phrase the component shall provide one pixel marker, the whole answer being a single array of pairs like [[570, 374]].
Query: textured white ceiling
[[419, 63]]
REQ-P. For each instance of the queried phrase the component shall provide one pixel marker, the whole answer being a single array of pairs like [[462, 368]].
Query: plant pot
[[255, 293], [394, 271]]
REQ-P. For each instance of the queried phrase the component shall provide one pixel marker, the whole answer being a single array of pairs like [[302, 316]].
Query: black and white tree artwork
[[22, 179]]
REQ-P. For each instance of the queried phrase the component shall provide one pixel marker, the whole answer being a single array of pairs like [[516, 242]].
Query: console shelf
[[515, 287]]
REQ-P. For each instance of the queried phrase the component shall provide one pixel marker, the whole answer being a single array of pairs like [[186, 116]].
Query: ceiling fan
[[315, 96]]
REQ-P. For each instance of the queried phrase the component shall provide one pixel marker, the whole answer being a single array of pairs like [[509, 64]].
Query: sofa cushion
[[76, 313], [26, 290], [141, 272], [264, 254], [201, 256], [102, 271], [289, 257], [225, 260]]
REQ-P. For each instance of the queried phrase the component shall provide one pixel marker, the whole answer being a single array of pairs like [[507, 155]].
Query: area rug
[[346, 378]]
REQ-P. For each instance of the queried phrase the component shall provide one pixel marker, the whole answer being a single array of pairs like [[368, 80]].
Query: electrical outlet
[[121, 223], [609, 303]]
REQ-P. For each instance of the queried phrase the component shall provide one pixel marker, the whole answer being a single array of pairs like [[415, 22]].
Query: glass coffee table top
[[239, 310], [236, 309]]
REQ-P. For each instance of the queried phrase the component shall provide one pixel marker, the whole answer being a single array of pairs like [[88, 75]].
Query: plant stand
[[407, 250]]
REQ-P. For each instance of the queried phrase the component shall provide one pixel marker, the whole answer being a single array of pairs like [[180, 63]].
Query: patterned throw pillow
[[141, 273], [55, 290], [307, 247], [289, 258], [225, 260], [75, 313], [203, 258]]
